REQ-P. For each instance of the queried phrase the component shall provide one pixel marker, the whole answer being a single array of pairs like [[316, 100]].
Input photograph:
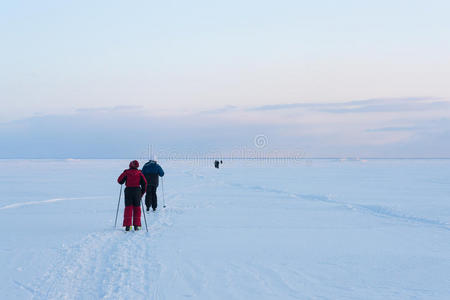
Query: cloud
[[225, 109], [120, 108], [384, 129], [282, 106], [112, 132], [393, 106], [95, 134], [362, 106], [420, 127]]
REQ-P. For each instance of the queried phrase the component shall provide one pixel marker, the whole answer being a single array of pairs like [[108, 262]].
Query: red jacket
[[133, 178]]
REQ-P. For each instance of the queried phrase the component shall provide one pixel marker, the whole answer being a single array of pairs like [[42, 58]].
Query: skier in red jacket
[[135, 187]]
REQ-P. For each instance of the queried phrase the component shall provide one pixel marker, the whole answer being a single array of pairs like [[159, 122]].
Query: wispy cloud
[[283, 106], [392, 106], [388, 129], [110, 109], [225, 109], [362, 106]]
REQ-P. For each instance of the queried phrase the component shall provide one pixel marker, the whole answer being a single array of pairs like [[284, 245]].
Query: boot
[[127, 228], [136, 228]]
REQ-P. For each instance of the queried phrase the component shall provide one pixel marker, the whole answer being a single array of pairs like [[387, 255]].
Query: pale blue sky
[[173, 60]]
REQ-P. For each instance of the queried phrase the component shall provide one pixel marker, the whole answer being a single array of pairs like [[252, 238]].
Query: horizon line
[[223, 157]]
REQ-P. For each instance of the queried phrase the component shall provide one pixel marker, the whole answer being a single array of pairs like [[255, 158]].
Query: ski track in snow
[[376, 210], [107, 265], [16, 205]]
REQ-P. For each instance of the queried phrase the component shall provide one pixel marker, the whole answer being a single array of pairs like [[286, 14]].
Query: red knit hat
[[134, 164]]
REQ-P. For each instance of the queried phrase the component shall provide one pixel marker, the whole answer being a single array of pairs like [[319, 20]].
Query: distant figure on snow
[[152, 171], [216, 164], [136, 185]]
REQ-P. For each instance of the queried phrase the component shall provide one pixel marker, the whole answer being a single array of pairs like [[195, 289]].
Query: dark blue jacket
[[152, 171]]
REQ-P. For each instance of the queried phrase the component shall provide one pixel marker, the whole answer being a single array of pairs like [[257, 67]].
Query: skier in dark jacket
[[152, 171], [136, 186]]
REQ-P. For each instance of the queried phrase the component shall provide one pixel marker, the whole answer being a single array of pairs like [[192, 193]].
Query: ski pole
[[162, 186], [118, 203], [143, 212]]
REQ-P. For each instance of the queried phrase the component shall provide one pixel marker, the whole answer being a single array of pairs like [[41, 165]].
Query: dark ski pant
[[132, 212], [150, 198]]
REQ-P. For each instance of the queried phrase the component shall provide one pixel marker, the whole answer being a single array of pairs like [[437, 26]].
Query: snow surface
[[319, 229]]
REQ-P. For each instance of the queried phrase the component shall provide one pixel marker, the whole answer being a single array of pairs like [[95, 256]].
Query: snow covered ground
[[320, 229]]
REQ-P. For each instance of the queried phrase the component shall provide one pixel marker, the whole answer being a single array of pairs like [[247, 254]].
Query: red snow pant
[[132, 212]]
